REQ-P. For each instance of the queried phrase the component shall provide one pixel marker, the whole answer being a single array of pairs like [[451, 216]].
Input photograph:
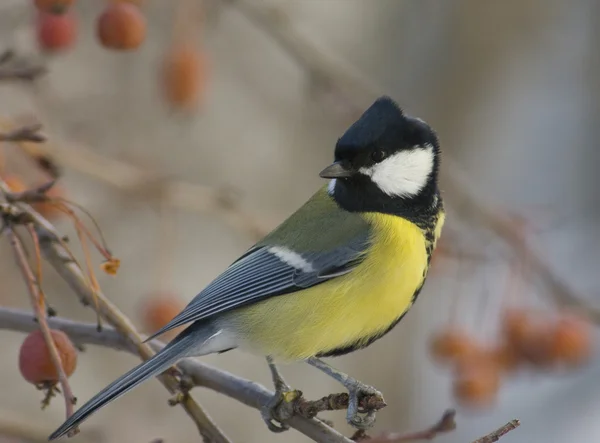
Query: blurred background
[[511, 88]]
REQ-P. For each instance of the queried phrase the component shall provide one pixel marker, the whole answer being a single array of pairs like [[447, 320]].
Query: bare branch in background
[[29, 133], [14, 68], [217, 201]]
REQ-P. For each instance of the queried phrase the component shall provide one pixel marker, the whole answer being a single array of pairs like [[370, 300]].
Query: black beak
[[337, 170]]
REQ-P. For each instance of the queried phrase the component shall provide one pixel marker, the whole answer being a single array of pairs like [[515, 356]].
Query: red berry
[[35, 363], [121, 26], [56, 32]]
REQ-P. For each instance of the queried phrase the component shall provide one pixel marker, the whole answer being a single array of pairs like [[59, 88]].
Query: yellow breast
[[347, 310]]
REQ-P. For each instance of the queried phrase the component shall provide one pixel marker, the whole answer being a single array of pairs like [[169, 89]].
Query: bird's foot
[[362, 417], [280, 408]]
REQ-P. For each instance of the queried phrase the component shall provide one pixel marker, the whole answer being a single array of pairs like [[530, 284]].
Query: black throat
[[360, 194]]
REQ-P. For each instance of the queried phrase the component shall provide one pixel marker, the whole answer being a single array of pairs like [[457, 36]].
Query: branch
[[12, 68], [245, 391], [499, 433], [59, 258], [29, 133], [52, 247], [444, 424], [354, 91]]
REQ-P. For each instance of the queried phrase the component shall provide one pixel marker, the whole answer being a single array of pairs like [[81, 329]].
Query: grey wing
[[268, 271]]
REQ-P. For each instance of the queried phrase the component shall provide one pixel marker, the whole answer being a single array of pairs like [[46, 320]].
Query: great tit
[[334, 277]]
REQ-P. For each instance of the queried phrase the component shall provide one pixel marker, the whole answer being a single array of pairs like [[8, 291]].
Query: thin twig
[[29, 133], [245, 391], [444, 424], [38, 305], [499, 433], [12, 68]]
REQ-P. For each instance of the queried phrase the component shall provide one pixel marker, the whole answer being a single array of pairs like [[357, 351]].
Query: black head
[[385, 162]]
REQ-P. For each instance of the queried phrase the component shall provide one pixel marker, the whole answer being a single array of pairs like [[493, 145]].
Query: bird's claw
[[361, 418], [278, 409]]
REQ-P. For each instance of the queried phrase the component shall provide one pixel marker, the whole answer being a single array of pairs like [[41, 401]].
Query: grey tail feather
[[161, 331], [168, 356]]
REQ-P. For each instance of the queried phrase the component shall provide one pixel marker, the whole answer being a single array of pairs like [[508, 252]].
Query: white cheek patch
[[331, 187], [405, 173]]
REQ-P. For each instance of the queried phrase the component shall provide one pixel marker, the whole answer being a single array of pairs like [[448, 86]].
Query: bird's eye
[[378, 155]]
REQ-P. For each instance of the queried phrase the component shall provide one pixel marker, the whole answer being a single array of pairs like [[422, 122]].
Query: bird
[[331, 279]]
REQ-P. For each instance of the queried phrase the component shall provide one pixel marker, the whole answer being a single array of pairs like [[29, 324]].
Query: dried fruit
[[570, 341], [160, 309], [48, 209], [56, 32], [121, 26], [54, 6], [452, 345], [15, 183], [35, 363], [183, 76], [477, 381]]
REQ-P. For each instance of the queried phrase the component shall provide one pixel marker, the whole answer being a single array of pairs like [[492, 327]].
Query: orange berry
[[35, 362], [570, 341], [516, 326], [121, 26], [506, 356], [56, 32], [54, 6], [160, 309], [47, 209], [15, 183], [451, 345], [183, 76], [477, 381]]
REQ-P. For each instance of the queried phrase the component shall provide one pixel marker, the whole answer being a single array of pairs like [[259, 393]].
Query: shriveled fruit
[[183, 76], [121, 26], [54, 6], [451, 345], [15, 183], [160, 309], [477, 381], [56, 32], [35, 363], [48, 209], [570, 341]]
